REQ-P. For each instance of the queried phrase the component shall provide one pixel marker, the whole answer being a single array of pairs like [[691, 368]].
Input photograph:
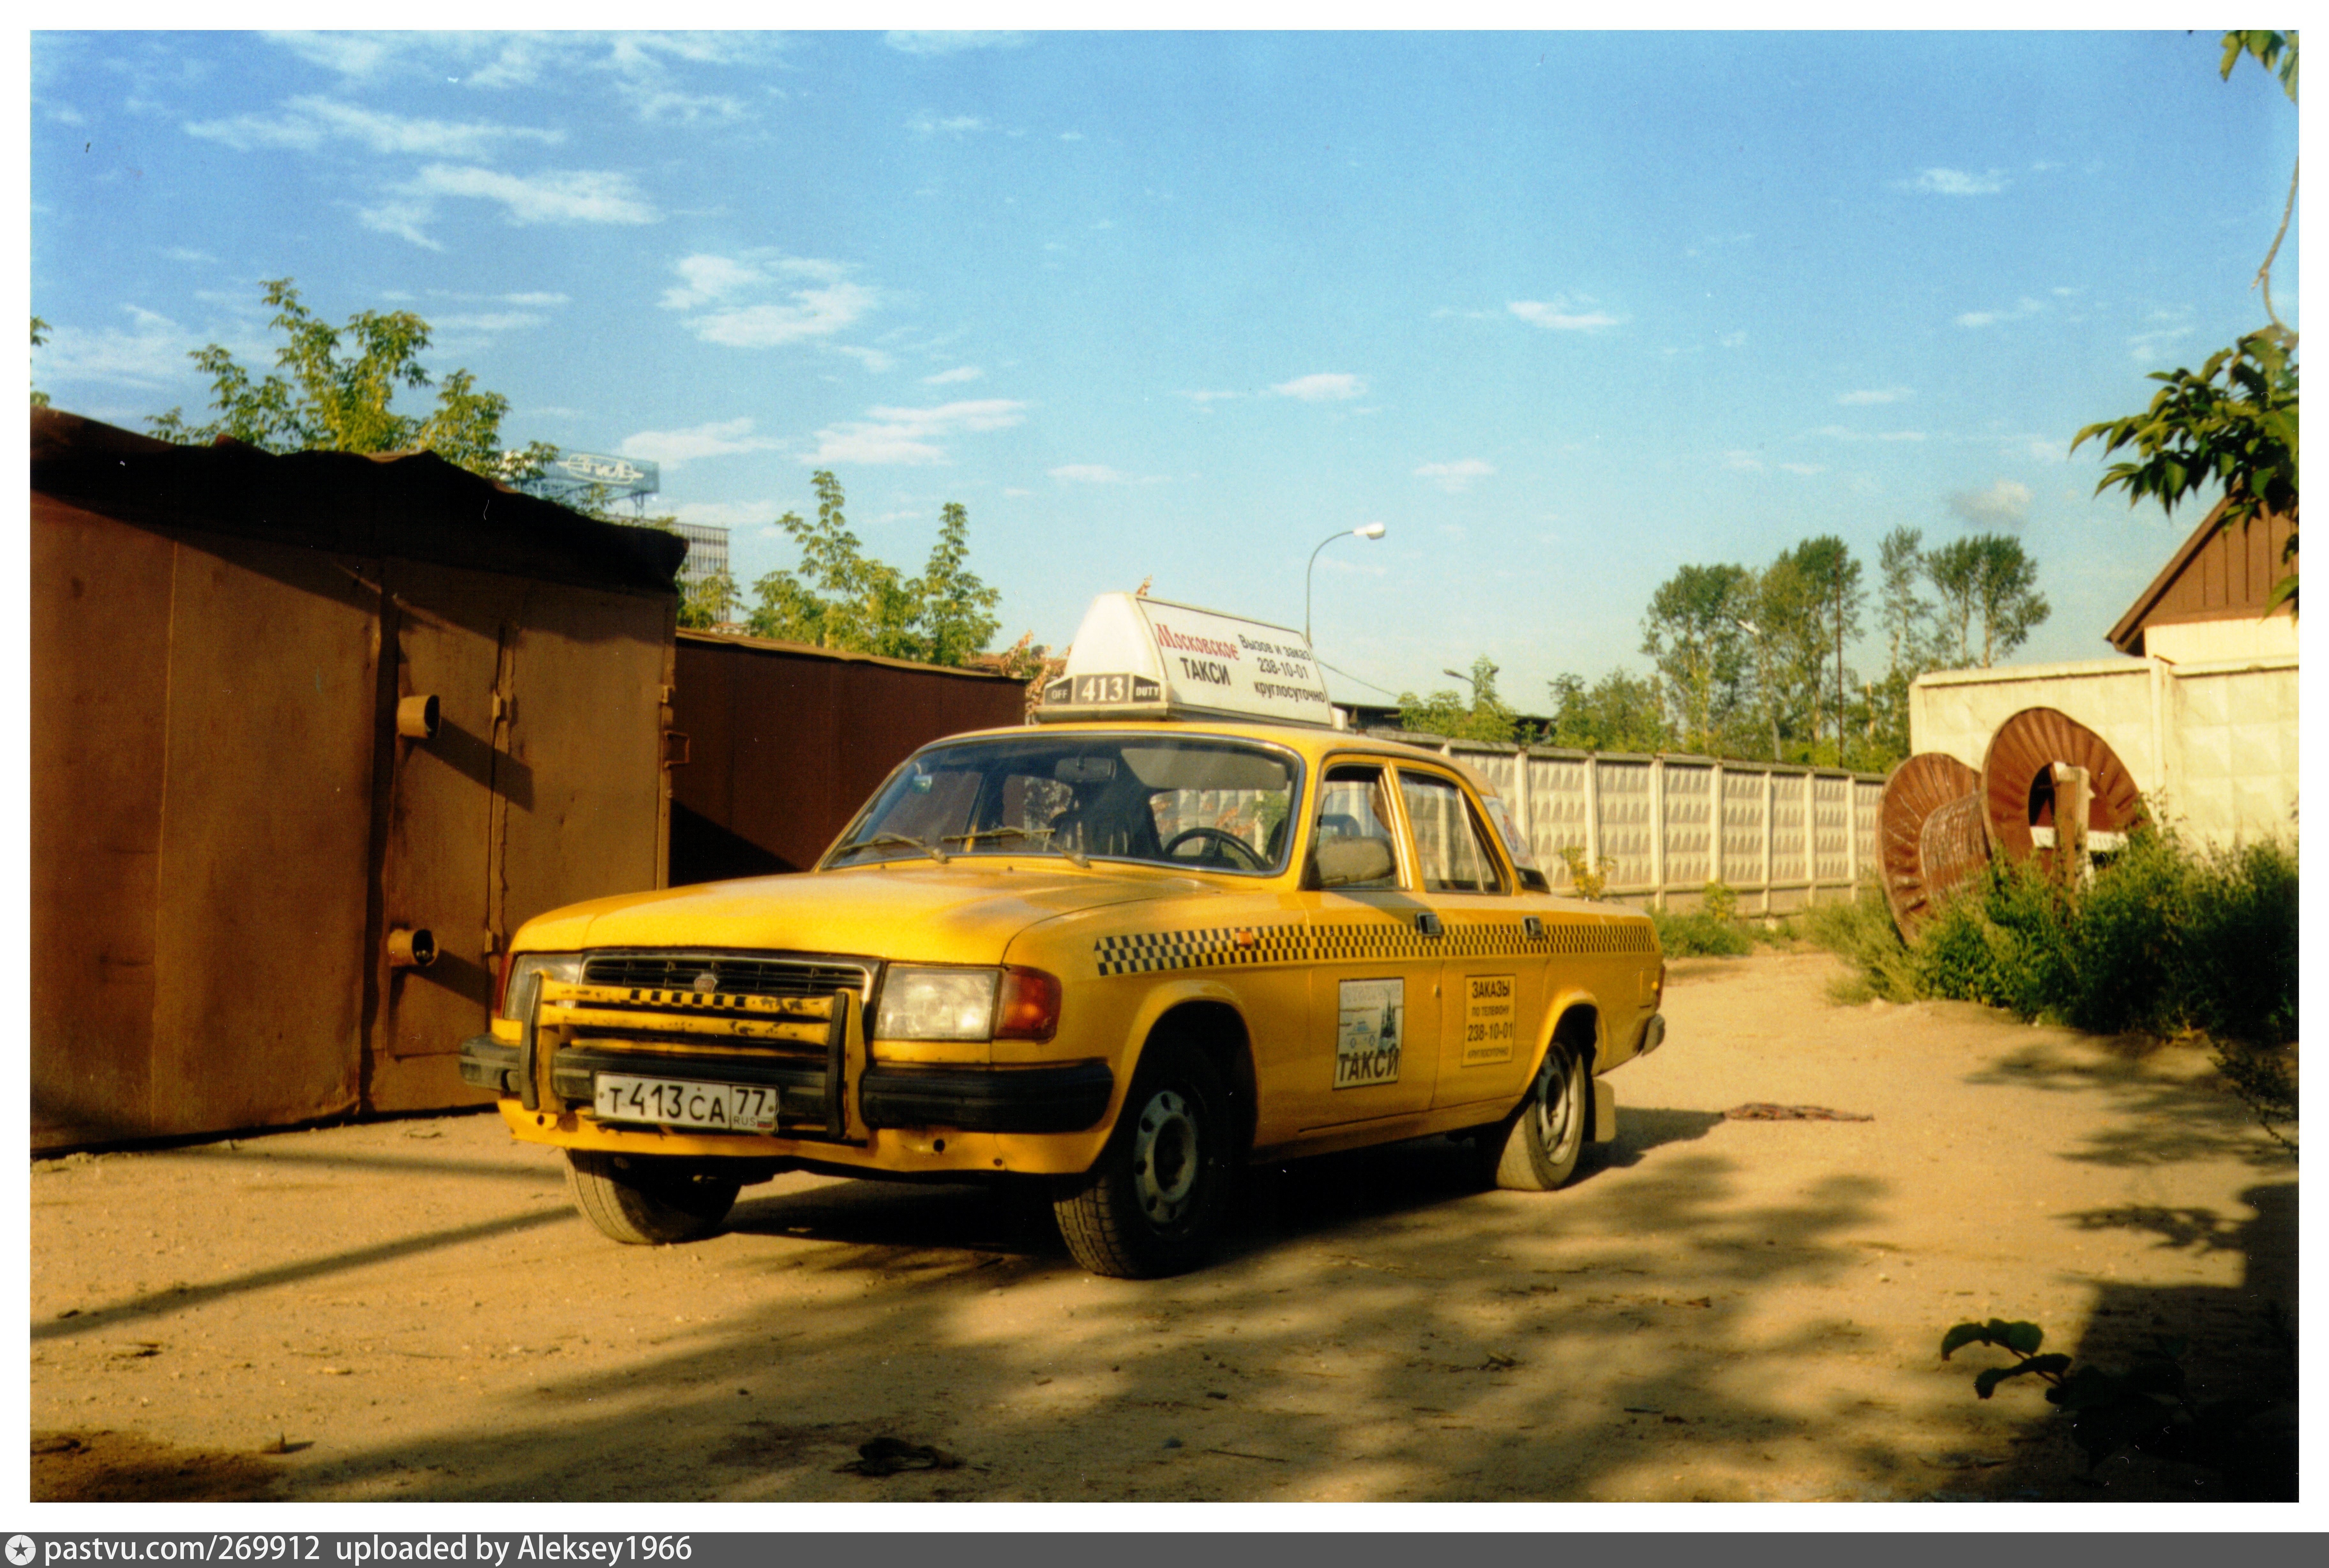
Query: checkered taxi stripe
[[1220, 947]]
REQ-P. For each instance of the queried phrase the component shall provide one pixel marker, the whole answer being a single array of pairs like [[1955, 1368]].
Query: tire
[[1152, 1204], [648, 1200], [1546, 1138]]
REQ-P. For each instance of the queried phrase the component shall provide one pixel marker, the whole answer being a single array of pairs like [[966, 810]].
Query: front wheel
[[646, 1200], [1546, 1136], [1152, 1204]]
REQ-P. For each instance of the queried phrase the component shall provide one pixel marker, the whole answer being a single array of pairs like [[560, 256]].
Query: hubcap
[[1165, 1158], [1555, 1108]]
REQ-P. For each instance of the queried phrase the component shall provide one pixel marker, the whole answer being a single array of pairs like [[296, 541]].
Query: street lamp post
[[1370, 531]]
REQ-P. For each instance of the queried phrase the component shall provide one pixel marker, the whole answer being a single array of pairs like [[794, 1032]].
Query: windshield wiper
[[879, 839], [1075, 857]]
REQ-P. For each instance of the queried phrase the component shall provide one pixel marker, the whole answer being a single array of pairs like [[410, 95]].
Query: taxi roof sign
[[1135, 658]]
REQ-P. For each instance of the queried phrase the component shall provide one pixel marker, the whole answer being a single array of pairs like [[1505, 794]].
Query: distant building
[[707, 552]]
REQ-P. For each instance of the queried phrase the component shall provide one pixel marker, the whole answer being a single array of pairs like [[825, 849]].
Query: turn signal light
[[1029, 1005]]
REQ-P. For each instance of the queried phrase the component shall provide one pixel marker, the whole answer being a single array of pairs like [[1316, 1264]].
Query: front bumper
[[1069, 1098]]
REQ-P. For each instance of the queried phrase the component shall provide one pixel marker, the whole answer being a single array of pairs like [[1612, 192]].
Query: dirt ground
[[1718, 1309]]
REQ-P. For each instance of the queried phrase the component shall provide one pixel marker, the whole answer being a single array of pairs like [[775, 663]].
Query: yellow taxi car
[[1130, 949]]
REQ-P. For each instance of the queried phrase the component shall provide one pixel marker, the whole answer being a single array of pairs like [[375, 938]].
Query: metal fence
[[1782, 838]]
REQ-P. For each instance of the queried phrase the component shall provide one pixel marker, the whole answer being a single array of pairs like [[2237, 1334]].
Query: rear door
[[1491, 985]]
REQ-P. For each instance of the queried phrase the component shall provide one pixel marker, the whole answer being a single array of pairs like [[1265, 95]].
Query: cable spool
[[1930, 784], [2018, 778]]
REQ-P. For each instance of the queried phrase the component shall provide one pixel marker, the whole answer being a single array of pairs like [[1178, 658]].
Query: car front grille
[[734, 974]]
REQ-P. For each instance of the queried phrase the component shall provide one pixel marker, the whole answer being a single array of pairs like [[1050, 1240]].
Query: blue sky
[[1563, 311]]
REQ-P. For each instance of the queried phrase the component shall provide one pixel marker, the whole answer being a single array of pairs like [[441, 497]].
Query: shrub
[[1862, 933], [1700, 933], [2162, 940]]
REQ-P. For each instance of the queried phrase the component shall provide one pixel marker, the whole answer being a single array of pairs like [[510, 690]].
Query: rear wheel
[[1546, 1136], [646, 1200], [1152, 1204]]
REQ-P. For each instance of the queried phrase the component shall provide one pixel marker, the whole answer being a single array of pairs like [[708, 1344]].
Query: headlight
[[1007, 1004], [937, 1005], [525, 969]]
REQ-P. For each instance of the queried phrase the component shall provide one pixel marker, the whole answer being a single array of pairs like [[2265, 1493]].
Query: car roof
[[1312, 741]]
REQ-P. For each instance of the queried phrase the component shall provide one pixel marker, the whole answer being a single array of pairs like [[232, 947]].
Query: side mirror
[[1340, 862]]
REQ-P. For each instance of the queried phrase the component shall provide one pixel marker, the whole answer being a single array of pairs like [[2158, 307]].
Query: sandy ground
[[1719, 1308]]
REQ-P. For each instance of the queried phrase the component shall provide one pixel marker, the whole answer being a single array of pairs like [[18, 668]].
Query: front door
[[1373, 1044]]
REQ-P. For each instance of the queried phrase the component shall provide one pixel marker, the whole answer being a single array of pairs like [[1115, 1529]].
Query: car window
[[1195, 802], [1451, 845], [1353, 803]]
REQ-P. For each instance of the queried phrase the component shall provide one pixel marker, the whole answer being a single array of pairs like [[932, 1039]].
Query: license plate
[[668, 1102]]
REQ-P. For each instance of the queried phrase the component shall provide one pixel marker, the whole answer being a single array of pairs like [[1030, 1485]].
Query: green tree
[[40, 336], [1618, 713], [1486, 717], [705, 602], [841, 597], [1914, 642], [1987, 578], [1783, 626], [1692, 631], [1832, 578], [336, 388], [2233, 423]]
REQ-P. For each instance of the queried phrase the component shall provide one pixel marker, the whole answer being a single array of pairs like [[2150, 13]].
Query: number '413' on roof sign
[[1135, 658]]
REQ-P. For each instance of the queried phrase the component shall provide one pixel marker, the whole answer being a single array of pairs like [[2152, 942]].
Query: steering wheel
[[1221, 840]]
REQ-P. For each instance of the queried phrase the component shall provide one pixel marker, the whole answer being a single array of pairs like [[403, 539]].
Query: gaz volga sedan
[[1127, 958]]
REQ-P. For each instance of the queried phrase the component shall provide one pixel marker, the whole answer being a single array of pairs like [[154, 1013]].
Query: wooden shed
[[2208, 602], [296, 721], [785, 742]]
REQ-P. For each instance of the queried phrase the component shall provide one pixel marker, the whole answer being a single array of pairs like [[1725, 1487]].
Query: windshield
[[1191, 803]]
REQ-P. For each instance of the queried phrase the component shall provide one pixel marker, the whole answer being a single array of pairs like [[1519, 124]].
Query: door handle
[[1427, 922]]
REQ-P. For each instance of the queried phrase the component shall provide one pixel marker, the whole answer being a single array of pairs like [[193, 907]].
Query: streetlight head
[[1459, 674], [1371, 531]]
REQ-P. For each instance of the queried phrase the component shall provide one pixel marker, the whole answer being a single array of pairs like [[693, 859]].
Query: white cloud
[[910, 436], [1456, 477], [312, 119], [2005, 504], [1327, 387], [1742, 462], [1071, 136], [873, 359], [726, 514], [817, 301], [810, 313], [1841, 433], [2022, 310], [719, 439], [151, 353], [1562, 313], [1956, 183], [488, 321], [1087, 474], [1891, 394], [571, 196], [1805, 469], [958, 125], [1206, 400], [958, 373], [1733, 339], [933, 43], [634, 69], [185, 253]]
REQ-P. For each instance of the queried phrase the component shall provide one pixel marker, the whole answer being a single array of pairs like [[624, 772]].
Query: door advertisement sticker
[[1488, 1019], [1367, 1037]]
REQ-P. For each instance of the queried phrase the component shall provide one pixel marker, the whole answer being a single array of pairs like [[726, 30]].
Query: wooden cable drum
[[2017, 779], [1927, 784]]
